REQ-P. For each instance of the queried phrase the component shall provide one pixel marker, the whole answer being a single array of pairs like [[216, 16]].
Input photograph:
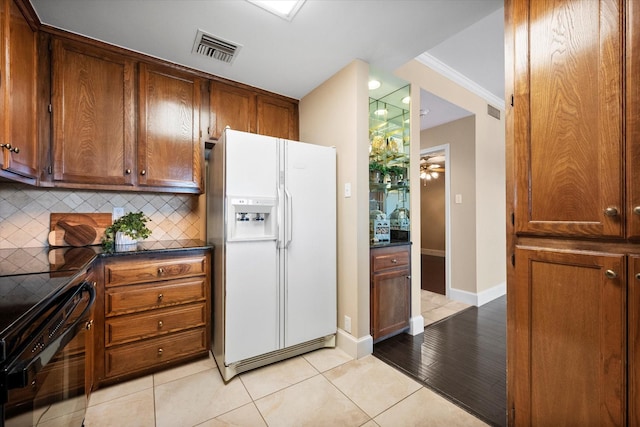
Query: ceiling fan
[[431, 167]]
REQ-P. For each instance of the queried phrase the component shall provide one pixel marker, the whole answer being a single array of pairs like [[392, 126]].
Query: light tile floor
[[436, 307], [322, 388]]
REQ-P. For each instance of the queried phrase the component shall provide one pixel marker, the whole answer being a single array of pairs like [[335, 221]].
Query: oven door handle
[[23, 372]]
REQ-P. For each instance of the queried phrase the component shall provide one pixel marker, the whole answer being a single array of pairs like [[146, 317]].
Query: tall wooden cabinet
[[573, 195], [18, 68]]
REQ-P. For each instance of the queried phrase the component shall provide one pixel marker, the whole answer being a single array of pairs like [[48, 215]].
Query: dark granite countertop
[[46, 259], [388, 244]]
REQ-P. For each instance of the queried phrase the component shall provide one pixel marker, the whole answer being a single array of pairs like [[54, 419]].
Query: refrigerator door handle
[[289, 203], [279, 228]]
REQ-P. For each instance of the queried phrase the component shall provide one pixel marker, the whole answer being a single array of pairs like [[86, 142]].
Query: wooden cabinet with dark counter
[[390, 290], [152, 312]]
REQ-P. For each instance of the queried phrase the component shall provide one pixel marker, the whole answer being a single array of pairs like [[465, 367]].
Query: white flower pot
[[123, 239]]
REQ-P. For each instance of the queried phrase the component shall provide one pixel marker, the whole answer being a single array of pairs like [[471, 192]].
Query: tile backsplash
[[24, 212]]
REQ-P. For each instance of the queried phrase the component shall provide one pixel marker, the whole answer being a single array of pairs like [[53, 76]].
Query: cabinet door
[[231, 106], [570, 347], [568, 117], [390, 302], [169, 150], [277, 117], [634, 340], [633, 118], [19, 119], [93, 115]]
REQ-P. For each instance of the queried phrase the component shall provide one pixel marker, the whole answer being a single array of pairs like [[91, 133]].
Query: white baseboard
[[478, 299], [354, 347], [416, 325], [433, 252]]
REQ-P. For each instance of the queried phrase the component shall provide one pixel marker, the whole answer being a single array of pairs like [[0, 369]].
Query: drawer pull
[[394, 261], [160, 271], [159, 352], [160, 324], [611, 274], [160, 296], [611, 211]]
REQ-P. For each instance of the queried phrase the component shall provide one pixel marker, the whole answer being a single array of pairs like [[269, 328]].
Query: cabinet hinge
[[49, 170], [50, 108], [513, 260], [208, 130], [513, 218], [200, 133], [512, 100]]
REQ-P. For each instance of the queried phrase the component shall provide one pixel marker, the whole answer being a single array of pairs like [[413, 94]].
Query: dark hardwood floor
[[462, 358]]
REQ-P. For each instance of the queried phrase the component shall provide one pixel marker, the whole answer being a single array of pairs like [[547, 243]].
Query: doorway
[[434, 209]]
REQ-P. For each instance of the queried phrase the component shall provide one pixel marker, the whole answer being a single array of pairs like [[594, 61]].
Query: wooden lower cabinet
[[634, 340], [570, 338], [154, 312], [390, 297]]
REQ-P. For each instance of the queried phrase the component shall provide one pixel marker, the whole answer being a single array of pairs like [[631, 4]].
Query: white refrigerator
[[271, 217]]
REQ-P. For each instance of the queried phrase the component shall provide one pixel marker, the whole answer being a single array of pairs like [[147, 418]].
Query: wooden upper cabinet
[[93, 115], [18, 160], [231, 106], [170, 153], [568, 118], [570, 340], [277, 117], [633, 119]]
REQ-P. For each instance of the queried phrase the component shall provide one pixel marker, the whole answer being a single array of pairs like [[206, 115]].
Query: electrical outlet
[[117, 213], [347, 324]]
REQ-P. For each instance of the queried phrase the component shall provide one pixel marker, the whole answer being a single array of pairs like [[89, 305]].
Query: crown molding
[[442, 68]]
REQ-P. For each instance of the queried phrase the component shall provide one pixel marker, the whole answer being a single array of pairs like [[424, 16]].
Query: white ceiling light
[[285, 9], [406, 99], [374, 84]]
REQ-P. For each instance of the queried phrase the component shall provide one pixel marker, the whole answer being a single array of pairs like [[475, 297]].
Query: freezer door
[[310, 241], [252, 293], [251, 165]]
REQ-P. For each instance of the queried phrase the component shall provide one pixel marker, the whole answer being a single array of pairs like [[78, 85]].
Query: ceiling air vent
[[215, 47]]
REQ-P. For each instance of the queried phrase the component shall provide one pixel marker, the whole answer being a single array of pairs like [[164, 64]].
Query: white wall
[[336, 114]]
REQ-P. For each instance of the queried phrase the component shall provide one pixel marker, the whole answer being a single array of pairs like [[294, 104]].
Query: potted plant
[[377, 172], [127, 229]]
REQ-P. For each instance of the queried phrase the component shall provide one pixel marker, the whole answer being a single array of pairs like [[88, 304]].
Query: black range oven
[[44, 329]]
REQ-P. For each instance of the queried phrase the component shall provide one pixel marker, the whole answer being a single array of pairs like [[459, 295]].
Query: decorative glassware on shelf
[[389, 163]]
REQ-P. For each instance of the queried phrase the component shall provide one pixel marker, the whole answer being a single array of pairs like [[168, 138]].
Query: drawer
[[123, 329], [129, 358], [130, 299], [390, 260], [126, 273]]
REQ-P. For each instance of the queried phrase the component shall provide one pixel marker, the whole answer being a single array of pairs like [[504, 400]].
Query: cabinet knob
[[160, 324], [10, 148], [89, 325], [160, 271], [160, 296], [160, 352], [638, 276], [128, 172], [611, 274], [394, 261], [143, 172], [611, 211], [636, 210]]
